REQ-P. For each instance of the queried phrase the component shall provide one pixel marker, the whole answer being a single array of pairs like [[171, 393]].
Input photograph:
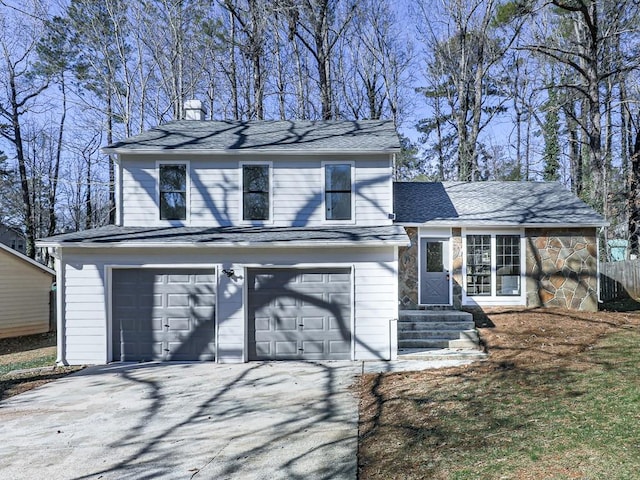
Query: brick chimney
[[194, 110]]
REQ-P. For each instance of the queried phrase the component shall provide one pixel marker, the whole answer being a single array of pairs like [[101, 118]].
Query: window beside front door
[[479, 265], [493, 265], [173, 191], [255, 192], [337, 191], [507, 265]]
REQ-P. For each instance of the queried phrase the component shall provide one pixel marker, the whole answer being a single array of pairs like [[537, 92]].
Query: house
[[240, 241], [496, 244], [25, 290], [13, 238]]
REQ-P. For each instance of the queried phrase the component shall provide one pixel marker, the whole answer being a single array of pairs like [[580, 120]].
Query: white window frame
[[241, 166], [323, 191], [494, 298], [187, 164]]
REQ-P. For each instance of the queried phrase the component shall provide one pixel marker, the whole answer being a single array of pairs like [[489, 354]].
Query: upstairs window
[[337, 191], [255, 192], [173, 192]]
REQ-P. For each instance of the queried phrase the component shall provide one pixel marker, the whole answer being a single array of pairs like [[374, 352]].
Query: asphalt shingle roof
[[491, 204], [233, 236], [264, 136]]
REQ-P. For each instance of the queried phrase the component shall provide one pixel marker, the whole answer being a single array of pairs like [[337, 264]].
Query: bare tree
[[318, 25], [464, 48], [19, 92]]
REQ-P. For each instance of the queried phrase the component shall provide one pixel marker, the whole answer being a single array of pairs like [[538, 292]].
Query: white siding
[[24, 297], [215, 190], [86, 306]]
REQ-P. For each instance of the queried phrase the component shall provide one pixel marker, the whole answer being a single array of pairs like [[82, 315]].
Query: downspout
[[118, 191], [602, 229], [60, 309], [393, 168], [393, 323]]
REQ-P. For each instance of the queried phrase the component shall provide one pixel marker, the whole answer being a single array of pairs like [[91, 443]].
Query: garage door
[[299, 314], [163, 314]]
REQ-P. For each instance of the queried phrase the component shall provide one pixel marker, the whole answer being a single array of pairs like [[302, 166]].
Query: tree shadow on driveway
[[193, 420]]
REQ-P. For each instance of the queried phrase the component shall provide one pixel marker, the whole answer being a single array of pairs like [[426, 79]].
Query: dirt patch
[[11, 385], [28, 362], [542, 337], [428, 424], [25, 345]]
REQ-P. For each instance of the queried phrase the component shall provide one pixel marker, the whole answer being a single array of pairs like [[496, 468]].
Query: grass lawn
[[26, 353], [559, 398]]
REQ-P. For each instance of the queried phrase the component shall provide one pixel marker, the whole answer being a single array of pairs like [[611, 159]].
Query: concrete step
[[424, 343], [453, 334], [434, 316], [437, 343], [427, 354], [404, 325], [439, 329]]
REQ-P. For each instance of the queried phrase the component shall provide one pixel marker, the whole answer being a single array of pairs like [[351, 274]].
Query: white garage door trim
[[299, 266], [108, 275]]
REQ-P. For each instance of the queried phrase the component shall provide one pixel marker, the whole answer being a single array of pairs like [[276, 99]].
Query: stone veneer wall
[[408, 272], [561, 268]]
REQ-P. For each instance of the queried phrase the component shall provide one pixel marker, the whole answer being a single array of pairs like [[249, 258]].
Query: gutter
[[502, 225], [269, 245], [270, 151]]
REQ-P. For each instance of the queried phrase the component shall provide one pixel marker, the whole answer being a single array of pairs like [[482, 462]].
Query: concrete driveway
[[181, 421]]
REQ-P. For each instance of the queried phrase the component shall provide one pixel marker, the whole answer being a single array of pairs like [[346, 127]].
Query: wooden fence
[[619, 280]]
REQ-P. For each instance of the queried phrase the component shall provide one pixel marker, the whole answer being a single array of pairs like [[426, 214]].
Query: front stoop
[[446, 334]]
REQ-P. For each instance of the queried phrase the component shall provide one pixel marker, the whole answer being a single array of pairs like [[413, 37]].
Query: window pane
[[337, 192], [256, 178], [173, 206], [338, 177], [255, 186], [434, 257], [338, 206], [478, 265], [256, 206], [173, 192], [508, 265], [173, 178]]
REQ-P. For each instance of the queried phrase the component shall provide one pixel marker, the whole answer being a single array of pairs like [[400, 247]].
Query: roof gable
[[264, 136], [26, 260], [491, 203]]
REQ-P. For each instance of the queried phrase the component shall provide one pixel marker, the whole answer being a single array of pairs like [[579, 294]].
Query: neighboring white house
[[238, 241], [25, 290]]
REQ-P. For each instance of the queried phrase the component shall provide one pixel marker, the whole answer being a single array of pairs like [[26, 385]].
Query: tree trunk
[[53, 189], [20, 157], [112, 181], [575, 154], [633, 202], [88, 221], [233, 73]]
